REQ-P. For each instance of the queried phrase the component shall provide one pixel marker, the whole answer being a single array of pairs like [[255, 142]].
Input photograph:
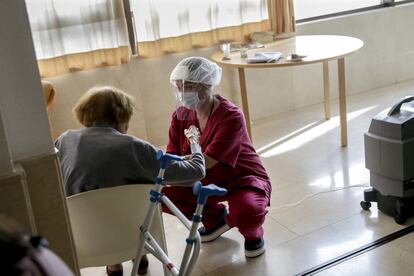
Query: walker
[[148, 242]]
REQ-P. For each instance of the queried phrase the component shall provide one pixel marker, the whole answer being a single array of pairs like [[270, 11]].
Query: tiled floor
[[314, 214]]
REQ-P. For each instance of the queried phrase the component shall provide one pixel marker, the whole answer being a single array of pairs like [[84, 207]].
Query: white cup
[[226, 48], [243, 52]]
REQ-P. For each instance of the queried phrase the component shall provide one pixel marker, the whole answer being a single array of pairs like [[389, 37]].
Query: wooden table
[[319, 49]]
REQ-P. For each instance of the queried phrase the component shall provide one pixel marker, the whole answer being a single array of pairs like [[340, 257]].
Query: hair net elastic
[[198, 70]]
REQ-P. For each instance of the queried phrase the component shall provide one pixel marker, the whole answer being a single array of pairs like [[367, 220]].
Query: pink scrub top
[[224, 139]]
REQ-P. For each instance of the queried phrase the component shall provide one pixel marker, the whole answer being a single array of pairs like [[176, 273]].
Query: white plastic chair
[[105, 223]]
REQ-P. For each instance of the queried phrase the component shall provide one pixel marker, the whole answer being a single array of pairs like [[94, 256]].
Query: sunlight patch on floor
[[354, 175], [309, 135]]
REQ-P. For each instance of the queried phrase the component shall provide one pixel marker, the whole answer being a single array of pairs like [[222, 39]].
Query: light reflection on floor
[[310, 135]]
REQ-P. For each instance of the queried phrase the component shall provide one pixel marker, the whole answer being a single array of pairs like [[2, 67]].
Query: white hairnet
[[197, 70]]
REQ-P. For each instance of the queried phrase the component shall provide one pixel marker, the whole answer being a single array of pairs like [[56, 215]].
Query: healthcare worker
[[231, 160]]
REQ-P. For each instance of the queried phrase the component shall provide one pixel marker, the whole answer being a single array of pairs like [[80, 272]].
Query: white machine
[[389, 155]]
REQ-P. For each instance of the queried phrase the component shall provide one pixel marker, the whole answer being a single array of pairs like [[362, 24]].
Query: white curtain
[[158, 19], [64, 27]]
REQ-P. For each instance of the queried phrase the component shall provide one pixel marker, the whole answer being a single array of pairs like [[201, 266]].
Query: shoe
[[143, 265], [208, 235], [254, 248], [114, 272]]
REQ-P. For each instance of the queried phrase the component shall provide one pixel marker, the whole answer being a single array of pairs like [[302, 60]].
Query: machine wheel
[[400, 219], [400, 212], [365, 205]]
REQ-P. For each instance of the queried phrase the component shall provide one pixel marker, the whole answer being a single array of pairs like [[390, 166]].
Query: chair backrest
[[105, 223]]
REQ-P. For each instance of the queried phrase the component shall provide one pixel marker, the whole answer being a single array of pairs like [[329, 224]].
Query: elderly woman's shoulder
[[68, 132], [140, 145], [135, 139]]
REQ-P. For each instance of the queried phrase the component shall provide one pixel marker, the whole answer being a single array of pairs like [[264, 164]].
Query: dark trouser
[[247, 208]]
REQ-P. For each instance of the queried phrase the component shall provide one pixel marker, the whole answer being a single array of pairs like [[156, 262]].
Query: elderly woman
[[102, 154], [231, 160]]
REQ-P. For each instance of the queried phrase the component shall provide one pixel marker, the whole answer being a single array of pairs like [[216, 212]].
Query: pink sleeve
[[173, 145], [225, 147]]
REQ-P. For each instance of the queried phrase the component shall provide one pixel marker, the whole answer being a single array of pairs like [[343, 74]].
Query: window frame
[[130, 21], [383, 4]]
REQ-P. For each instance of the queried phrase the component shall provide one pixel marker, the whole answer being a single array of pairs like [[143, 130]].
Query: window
[[157, 19], [61, 27], [78, 34], [311, 8]]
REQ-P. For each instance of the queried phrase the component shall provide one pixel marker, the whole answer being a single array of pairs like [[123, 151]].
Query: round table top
[[317, 48]]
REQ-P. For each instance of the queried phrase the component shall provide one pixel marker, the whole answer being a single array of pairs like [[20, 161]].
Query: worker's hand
[[192, 134]]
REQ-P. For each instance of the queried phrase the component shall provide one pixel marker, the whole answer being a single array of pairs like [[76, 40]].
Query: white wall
[[33, 196], [21, 99], [386, 58]]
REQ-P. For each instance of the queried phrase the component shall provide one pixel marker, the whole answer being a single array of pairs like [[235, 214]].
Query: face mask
[[190, 100]]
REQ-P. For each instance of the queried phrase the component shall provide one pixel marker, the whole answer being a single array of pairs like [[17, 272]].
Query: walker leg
[[143, 229], [192, 249], [139, 254]]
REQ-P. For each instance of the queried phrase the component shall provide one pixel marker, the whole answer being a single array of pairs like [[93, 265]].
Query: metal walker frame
[[148, 242]]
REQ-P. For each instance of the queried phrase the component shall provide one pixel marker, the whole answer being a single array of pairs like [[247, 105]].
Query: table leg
[[245, 102], [342, 102], [327, 98]]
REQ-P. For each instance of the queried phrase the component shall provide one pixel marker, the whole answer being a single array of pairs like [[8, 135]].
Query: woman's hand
[[192, 134]]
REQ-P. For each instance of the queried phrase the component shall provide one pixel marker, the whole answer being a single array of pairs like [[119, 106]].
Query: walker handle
[[204, 192], [166, 158]]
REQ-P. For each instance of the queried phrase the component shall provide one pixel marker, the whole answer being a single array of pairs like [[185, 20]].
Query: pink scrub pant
[[247, 208]]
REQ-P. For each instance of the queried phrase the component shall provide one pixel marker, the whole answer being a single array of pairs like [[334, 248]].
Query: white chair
[[105, 223]]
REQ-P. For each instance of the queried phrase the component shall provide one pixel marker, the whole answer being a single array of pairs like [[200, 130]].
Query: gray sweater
[[100, 157]]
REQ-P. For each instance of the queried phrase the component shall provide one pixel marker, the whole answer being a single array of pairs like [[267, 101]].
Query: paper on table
[[264, 57]]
